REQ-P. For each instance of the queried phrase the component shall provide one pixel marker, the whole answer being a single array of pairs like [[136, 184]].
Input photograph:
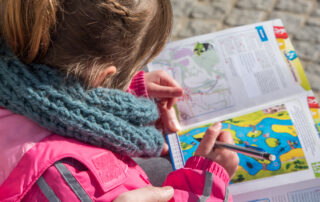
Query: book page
[[227, 71], [306, 191], [296, 145], [254, 84], [284, 128]]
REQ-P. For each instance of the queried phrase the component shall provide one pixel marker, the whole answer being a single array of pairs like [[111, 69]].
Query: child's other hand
[[226, 158], [165, 150], [162, 86], [168, 121]]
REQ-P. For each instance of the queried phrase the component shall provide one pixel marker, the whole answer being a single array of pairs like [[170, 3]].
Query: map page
[[227, 71], [197, 67]]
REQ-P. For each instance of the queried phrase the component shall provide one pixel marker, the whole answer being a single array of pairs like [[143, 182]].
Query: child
[[75, 54]]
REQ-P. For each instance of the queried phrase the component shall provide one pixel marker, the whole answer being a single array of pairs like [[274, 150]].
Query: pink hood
[[17, 135]]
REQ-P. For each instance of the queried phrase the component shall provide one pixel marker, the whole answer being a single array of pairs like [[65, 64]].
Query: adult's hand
[[147, 194]]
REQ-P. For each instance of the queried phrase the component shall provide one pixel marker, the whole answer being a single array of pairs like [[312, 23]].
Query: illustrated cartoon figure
[[202, 47], [292, 144], [282, 149], [254, 128]]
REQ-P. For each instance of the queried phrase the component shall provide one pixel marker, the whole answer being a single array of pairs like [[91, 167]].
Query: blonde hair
[[26, 25], [83, 37]]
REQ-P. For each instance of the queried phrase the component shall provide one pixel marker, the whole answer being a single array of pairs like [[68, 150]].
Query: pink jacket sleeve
[[138, 86], [200, 180]]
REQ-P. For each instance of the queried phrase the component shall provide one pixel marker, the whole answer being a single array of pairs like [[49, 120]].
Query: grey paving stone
[[307, 50], [256, 4], [198, 27], [308, 33], [244, 16], [314, 21], [291, 21], [312, 71], [222, 3], [178, 25], [180, 7], [314, 81], [295, 6], [317, 94], [312, 68], [316, 12], [207, 11]]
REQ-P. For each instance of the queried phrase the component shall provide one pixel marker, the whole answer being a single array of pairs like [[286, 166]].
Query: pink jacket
[[48, 167]]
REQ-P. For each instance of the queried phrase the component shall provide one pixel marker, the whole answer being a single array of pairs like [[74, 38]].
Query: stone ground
[[300, 17]]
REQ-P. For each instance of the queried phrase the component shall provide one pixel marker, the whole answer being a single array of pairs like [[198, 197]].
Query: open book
[[249, 78]]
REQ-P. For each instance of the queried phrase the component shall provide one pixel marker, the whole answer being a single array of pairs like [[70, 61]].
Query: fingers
[[171, 102], [234, 163], [147, 194], [169, 119], [167, 80], [226, 158], [233, 160], [161, 85], [160, 194], [162, 91], [208, 140], [165, 149], [226, 137]]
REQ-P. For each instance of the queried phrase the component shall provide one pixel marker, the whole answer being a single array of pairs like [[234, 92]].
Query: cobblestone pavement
[[300, 17]]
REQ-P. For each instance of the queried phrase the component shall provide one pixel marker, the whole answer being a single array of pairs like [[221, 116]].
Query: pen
[[247, 151]]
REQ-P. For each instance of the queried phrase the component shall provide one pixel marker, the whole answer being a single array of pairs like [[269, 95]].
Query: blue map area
[[286, 141]]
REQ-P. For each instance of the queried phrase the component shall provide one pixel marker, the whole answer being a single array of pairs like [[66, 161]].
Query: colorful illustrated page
[[271, 130]]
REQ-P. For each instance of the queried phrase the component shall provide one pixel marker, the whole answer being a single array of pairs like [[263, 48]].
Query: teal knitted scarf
[[107, 118]]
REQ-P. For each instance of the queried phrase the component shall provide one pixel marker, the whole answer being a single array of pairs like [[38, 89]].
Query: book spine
[[175, 150]]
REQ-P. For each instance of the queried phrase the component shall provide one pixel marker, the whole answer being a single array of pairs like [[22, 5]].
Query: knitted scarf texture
[[107, 118]]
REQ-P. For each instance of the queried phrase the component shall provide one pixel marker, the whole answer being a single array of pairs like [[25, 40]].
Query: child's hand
[[162, 86], [165, 149], [226, 158]]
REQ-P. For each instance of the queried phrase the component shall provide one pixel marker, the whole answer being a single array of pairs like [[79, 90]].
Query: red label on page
[[313, 103], [280, 32]]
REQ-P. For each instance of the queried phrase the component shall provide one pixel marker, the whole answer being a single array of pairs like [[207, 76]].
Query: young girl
[[63, 68]]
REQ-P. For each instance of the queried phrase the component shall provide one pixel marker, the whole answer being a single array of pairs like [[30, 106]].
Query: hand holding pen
[[219, 146], [225, 157]]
